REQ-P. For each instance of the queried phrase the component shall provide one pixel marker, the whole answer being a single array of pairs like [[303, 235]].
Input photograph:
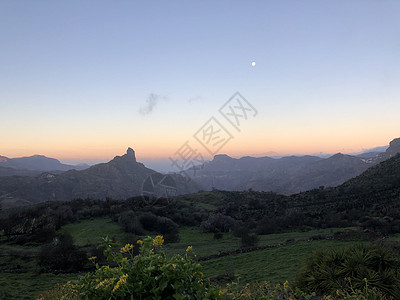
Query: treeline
[[246, 214], [39, 223]]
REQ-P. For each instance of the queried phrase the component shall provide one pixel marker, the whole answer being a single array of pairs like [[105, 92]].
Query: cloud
[[151, 102], [193, 99]]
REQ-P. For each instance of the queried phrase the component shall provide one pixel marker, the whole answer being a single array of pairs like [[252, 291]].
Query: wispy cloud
[[193, 99], [151, 102]]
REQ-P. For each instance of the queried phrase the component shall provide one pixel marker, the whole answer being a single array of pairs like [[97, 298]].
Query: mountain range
[[286, 175], [124, 177], [120, 178], [34, 165]]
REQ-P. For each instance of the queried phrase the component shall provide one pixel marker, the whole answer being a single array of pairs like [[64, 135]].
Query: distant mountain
[[4, 171], [394, 148], [373, 194], [120, 178], [37, 163], [286, 175]]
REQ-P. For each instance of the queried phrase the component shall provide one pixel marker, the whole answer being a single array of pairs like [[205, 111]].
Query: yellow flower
[[222, 292], [121, 281], [126, 248], [173, 265], [189, 248], [286, 285], [92, 258], [158, 240], [140, 242], [106, 283]]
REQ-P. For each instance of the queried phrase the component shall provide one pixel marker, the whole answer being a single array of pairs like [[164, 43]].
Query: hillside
[[39, 163], [286, 175], [120, 178], [5, 171]]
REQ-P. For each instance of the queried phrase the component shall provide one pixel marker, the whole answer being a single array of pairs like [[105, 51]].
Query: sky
[[82, 81]]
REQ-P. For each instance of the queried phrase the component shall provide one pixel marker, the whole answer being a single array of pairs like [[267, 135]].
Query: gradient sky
[[77, 77]]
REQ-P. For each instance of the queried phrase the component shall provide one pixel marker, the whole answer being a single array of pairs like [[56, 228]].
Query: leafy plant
[[349, 270], [149, 275]]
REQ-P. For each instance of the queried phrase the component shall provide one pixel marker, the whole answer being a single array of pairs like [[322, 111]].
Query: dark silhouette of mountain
[[120, 178], [286, 175], [38, 163], [371, 195], [394, 148], [4, 171], [382, 177]]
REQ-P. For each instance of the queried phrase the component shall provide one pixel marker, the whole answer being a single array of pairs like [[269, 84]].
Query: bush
[[218, 235], [149, 275], [268, 225], [249, 239], [359, 267], [218, 223], [163, 225], [44, 234], [130, 223], [61, 255]]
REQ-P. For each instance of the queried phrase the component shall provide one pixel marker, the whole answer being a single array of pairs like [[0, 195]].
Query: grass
[[90, 232], [29, 285], [275, 265], [15, 257], [205, 244], [394, 238]]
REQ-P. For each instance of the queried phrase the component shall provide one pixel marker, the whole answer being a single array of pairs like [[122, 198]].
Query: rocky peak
[[394, 147], [130, 153], [128, 157], [222, 157]]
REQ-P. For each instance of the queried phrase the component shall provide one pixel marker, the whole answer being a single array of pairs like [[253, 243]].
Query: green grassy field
[[28, 285], [90, 232], [205, 244], [275, 265]]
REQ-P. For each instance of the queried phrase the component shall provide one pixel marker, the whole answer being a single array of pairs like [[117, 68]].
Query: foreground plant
[[360, 270], [153, 275], [149, 275]]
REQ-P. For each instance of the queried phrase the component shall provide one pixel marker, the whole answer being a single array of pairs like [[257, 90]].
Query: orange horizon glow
[[238, 147]]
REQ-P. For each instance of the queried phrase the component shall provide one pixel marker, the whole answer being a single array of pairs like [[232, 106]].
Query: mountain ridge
[[39, 163], [286, 175], [120, 178]]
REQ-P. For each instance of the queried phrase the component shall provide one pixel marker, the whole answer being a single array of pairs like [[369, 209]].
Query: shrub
[[61, 255], [351, 269], [218, 235], [44, 234], [249, 239], [130, 223], [218, 223], [268, 225], [149, 275]]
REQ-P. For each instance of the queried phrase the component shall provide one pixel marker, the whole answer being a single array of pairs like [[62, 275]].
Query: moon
[[253, 64]]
